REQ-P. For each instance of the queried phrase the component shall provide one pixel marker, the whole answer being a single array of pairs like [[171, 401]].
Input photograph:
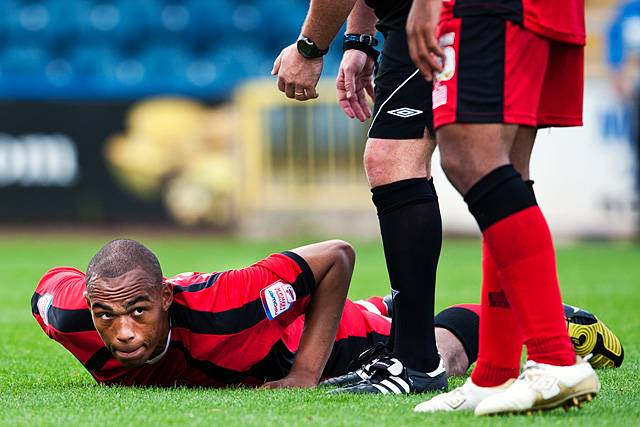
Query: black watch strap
[[362, 42]]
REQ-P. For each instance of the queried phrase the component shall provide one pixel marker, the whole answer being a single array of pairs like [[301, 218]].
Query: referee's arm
[[298, 76]]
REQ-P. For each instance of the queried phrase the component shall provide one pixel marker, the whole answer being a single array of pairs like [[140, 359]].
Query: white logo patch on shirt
[[277, 298], [44, 303], [405, 112]]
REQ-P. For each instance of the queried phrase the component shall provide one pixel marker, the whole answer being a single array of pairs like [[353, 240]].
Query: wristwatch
[[365, 39], [309, 49], [362, 42]]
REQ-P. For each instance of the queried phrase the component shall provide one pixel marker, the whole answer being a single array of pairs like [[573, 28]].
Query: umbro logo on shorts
[[405, 112]]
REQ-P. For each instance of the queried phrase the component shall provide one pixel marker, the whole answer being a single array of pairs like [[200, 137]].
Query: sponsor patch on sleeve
[[277, 298], [44, 304]]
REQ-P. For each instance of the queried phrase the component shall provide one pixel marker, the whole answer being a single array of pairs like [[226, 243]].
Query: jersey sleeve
[[59, 307], [268, 288]]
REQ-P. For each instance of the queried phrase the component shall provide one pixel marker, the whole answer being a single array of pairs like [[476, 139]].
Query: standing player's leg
[[560, 104], [477, 159], [411, 231], [397, 161]]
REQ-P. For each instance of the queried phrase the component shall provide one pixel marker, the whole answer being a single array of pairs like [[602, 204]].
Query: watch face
[[307, 49]]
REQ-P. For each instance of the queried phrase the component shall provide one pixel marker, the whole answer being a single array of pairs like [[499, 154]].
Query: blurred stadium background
[[162, 112]]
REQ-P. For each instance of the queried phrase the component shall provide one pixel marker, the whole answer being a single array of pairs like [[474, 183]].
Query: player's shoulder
[[61, 273], [58, 301], [66, 281], [191, 281]]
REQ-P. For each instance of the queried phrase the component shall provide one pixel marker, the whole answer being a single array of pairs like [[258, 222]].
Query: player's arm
[[297, 75], [332, 265], [356, 69], [424, 48]]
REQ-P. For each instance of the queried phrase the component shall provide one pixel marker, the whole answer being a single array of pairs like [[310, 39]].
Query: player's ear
[[85, 294], [167, 296]]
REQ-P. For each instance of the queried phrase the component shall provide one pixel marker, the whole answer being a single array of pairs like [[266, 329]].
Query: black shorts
[[402, 108]]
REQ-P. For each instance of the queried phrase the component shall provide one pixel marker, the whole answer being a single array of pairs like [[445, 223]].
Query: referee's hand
[[424, 48], [297, 75], [354, 82]]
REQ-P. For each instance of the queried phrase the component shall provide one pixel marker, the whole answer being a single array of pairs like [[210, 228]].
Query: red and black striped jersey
[[234, 327]]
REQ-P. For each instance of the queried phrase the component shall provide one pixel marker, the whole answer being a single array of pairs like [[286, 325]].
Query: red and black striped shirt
[[223, 329]]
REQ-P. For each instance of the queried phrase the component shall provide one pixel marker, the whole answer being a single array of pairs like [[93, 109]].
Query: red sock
[[521, 246], [500, 347]]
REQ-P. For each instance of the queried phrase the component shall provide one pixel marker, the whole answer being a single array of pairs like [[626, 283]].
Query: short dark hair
[[121, 256]]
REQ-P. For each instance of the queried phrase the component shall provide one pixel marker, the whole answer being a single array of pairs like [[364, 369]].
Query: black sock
[[500, 193], [411, 230]]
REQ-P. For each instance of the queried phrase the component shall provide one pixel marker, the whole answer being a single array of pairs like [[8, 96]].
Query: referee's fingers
[[281, 84], [357, 107], [276, 65], [346, 107], [290, 90], [312, 93], [350, 83], [300, 93], [362, 100]]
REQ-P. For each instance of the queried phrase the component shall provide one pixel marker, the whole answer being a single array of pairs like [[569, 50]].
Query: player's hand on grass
[[292, 381], [297, 75], [354, 82], [424, 48]]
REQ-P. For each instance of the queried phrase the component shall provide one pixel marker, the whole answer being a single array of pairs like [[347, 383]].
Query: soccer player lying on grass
[[127, 325]]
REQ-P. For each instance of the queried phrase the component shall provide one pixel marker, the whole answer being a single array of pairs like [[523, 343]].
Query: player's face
[[130, 313]]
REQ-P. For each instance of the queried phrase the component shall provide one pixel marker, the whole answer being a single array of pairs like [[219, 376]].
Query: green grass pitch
[[41, 384]]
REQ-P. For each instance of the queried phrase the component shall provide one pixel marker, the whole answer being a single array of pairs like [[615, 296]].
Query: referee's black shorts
[[402, 108]]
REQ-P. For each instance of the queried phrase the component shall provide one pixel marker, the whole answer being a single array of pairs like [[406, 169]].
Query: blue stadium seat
[[67, 18], [59, 73], [204, 78], [125, 22], [175, 17], [132, 48], [94, 62], [28, 22], [129, 77], [236, 63], [282, 22], [211, 23], [248, 19], [23, 60], [4, 20], [165, 66], [23, 70]]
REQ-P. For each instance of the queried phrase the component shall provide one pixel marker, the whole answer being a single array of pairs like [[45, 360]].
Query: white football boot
[[541, 387], [463, 398]]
